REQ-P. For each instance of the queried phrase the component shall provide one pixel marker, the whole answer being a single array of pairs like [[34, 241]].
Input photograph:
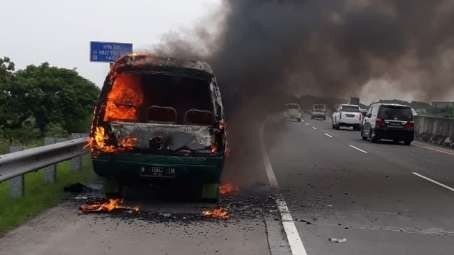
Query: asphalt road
[[373, 195], [375, 198]]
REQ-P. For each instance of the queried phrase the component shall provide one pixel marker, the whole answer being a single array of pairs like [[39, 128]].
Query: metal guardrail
[[14, 165]]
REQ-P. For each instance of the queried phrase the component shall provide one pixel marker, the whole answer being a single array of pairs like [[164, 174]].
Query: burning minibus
[[160, 120]]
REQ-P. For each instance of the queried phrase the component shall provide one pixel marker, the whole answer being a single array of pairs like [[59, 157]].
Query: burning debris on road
[[216, 213], [107, 206], [228, 189], [116, 205]]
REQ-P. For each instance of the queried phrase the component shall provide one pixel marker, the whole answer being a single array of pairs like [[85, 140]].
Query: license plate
[[158, 172], [393, 124], [350, 115]]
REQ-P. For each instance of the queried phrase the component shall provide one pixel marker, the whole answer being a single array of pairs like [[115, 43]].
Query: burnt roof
[[146, 61]]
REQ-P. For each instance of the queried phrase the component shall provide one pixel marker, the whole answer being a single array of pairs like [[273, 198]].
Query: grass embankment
[[38, 195]]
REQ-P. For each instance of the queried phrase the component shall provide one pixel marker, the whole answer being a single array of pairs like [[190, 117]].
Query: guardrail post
[[76, 162], [50, 172], [17, 184]]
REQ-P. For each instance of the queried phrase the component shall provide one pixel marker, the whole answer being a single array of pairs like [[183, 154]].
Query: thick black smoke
[[268, 49]]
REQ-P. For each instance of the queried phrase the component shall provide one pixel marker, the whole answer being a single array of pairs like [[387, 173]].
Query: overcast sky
[[59, 31]]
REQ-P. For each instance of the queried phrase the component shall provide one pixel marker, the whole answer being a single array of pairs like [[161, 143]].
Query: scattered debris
[[77, 188], [216, 213], [227, 189], [305, 221], [80, 197], [166, 215], [337, 240], [110, 205]]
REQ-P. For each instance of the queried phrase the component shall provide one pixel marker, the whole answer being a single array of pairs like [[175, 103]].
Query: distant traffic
[[380, 121]]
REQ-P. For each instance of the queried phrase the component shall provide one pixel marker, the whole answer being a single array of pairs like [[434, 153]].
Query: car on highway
[[160, 120], [347, 115], [389, 121], [294, 111], [318, 111]]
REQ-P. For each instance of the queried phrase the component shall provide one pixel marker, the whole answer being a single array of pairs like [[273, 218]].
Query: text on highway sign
[[108, 51]]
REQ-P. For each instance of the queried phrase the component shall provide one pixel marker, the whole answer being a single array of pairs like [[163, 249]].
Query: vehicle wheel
[[210, 192], [408, 142], [362, 135], [396, 141], [112, 188], [372, 137], [299, 119]]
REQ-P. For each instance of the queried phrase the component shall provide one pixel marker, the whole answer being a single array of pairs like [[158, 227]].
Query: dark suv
[[389, 121], [160, 120]]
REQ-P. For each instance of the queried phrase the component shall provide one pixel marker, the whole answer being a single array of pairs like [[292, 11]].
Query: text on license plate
[[158, 171]]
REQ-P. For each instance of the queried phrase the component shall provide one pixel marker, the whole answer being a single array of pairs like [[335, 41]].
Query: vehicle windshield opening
[[159, 98]]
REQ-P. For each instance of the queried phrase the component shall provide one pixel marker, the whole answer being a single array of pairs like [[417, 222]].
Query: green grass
[[4, 146], [38, 195]]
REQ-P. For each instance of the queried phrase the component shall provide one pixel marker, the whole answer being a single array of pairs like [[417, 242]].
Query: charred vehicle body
[[160, 120]]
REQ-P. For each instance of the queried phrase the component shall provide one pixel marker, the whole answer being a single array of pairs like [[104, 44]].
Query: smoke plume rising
[[266, 49]]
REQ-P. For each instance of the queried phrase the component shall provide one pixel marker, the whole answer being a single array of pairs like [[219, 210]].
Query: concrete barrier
[[435, 130]]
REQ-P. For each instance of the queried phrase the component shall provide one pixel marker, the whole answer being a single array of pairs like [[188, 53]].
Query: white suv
[[347, 115]]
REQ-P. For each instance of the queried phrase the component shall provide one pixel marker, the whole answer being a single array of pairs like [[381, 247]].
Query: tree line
[[43, 100]]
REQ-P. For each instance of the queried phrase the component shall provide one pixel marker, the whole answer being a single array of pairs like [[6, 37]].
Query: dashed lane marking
[[293, 237], [358, 149], [433, 181]]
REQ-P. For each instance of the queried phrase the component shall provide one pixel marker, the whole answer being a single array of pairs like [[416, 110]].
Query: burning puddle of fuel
[[235, 204]]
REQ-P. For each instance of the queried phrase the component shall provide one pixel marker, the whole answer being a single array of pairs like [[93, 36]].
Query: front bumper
[[128, 167]]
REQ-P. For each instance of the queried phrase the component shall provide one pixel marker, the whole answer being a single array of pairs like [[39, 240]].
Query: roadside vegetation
[[43, 100], [38, 195], [36, 102]]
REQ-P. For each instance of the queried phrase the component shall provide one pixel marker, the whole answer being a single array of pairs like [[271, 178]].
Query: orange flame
[[98, 142], [124, 99], [128, 143], [226, 189], [216, 213], [106, 206]]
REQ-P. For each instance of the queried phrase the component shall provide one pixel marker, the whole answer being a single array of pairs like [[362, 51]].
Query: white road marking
[[428, 147], [266, 161], [434, 181], [328, 135], [293, 237], [314, 128], [358, 149]]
